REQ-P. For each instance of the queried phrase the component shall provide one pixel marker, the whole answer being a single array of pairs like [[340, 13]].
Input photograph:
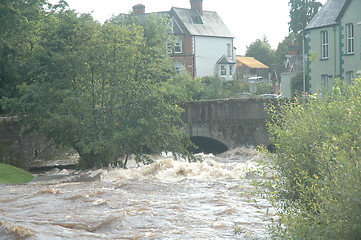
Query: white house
[[205, 45]]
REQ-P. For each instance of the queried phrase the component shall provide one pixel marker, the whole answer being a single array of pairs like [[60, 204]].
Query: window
[[178, 67], [350, 38], [196, 20], [223, 71], [230, 70], [324, 45], [349, 76], [229, 50], [326, 81], [178, 48]]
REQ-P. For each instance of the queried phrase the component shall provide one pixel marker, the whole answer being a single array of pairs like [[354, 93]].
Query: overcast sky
[[248, 20]]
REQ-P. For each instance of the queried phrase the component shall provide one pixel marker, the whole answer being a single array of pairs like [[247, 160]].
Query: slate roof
[[250, 62], [212, 24], [225, 60], [329, 14]]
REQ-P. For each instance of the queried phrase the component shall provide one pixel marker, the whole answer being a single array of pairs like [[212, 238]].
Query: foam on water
[[169, 199], [169, 169], [14, 230]]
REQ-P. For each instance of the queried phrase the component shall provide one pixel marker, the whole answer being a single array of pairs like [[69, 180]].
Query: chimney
[[292, 49], [138, 9], [197, 5]]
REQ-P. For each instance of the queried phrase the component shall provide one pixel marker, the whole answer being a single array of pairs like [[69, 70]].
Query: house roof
[[225, 60], [208, 24], [329, 14], [250, 62]]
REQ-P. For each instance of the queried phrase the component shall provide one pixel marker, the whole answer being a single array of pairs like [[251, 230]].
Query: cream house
[[334, 37]]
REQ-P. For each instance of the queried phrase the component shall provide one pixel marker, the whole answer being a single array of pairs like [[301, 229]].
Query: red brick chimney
[[138, 9], [197, 5], [292, 49]]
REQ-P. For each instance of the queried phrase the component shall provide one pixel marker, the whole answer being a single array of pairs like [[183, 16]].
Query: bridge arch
[[208, 145]]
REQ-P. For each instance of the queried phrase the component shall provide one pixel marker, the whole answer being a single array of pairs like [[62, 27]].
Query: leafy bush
[[216, 88], [264, 88], [317, 165]]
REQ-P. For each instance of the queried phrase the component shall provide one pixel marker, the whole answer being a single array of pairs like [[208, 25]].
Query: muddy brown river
[[166, 200]]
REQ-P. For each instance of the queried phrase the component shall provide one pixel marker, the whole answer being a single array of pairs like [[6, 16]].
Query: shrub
[[317, 163]]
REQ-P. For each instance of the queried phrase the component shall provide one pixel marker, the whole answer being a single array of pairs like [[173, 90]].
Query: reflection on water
[[166, 200]]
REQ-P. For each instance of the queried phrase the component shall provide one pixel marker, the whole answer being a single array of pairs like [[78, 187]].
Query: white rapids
[[169, 199]]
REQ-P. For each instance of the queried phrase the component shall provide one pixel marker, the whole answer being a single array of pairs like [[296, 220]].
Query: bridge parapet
[[4, 120], [233, 122]]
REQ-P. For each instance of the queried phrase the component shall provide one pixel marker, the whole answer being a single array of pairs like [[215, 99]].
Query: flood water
[[166, 200]]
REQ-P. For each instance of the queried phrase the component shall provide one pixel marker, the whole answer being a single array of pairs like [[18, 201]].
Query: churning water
[[166, 200]]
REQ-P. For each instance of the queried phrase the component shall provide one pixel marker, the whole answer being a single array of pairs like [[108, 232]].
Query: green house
[[333, 44]]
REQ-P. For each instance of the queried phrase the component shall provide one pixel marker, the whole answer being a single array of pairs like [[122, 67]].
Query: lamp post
[[304, 59]]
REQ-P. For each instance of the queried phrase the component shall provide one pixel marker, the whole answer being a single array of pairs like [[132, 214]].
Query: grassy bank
[[10, 174]]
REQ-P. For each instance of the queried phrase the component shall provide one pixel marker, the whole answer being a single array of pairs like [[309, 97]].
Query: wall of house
[[339, 63], [352, 15], [319, 67], [286, 79], [208, 50], [185, 58]]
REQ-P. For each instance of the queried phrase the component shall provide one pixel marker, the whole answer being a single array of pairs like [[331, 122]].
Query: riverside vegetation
[[317, 164], [105, 90]]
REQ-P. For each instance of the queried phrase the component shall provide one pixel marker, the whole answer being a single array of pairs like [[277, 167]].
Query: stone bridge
[[16, 148], [218, 125], [214, 126]]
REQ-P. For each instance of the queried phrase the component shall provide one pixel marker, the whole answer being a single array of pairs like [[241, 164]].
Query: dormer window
[[196, 20]]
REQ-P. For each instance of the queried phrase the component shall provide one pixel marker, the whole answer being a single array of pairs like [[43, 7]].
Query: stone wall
[[16, 148], [234, 122]]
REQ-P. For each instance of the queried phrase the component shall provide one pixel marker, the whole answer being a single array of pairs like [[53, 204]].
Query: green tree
[[317, 165], [21, 23], [301, 13], [297, 85], [106, 90], [261, 50]]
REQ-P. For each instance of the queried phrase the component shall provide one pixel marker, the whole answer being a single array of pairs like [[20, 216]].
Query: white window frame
[[178, 48], [230, 70], [350, 39], [229, 50], [326, 81], [324, 44], [223, 71], [178, 67]]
